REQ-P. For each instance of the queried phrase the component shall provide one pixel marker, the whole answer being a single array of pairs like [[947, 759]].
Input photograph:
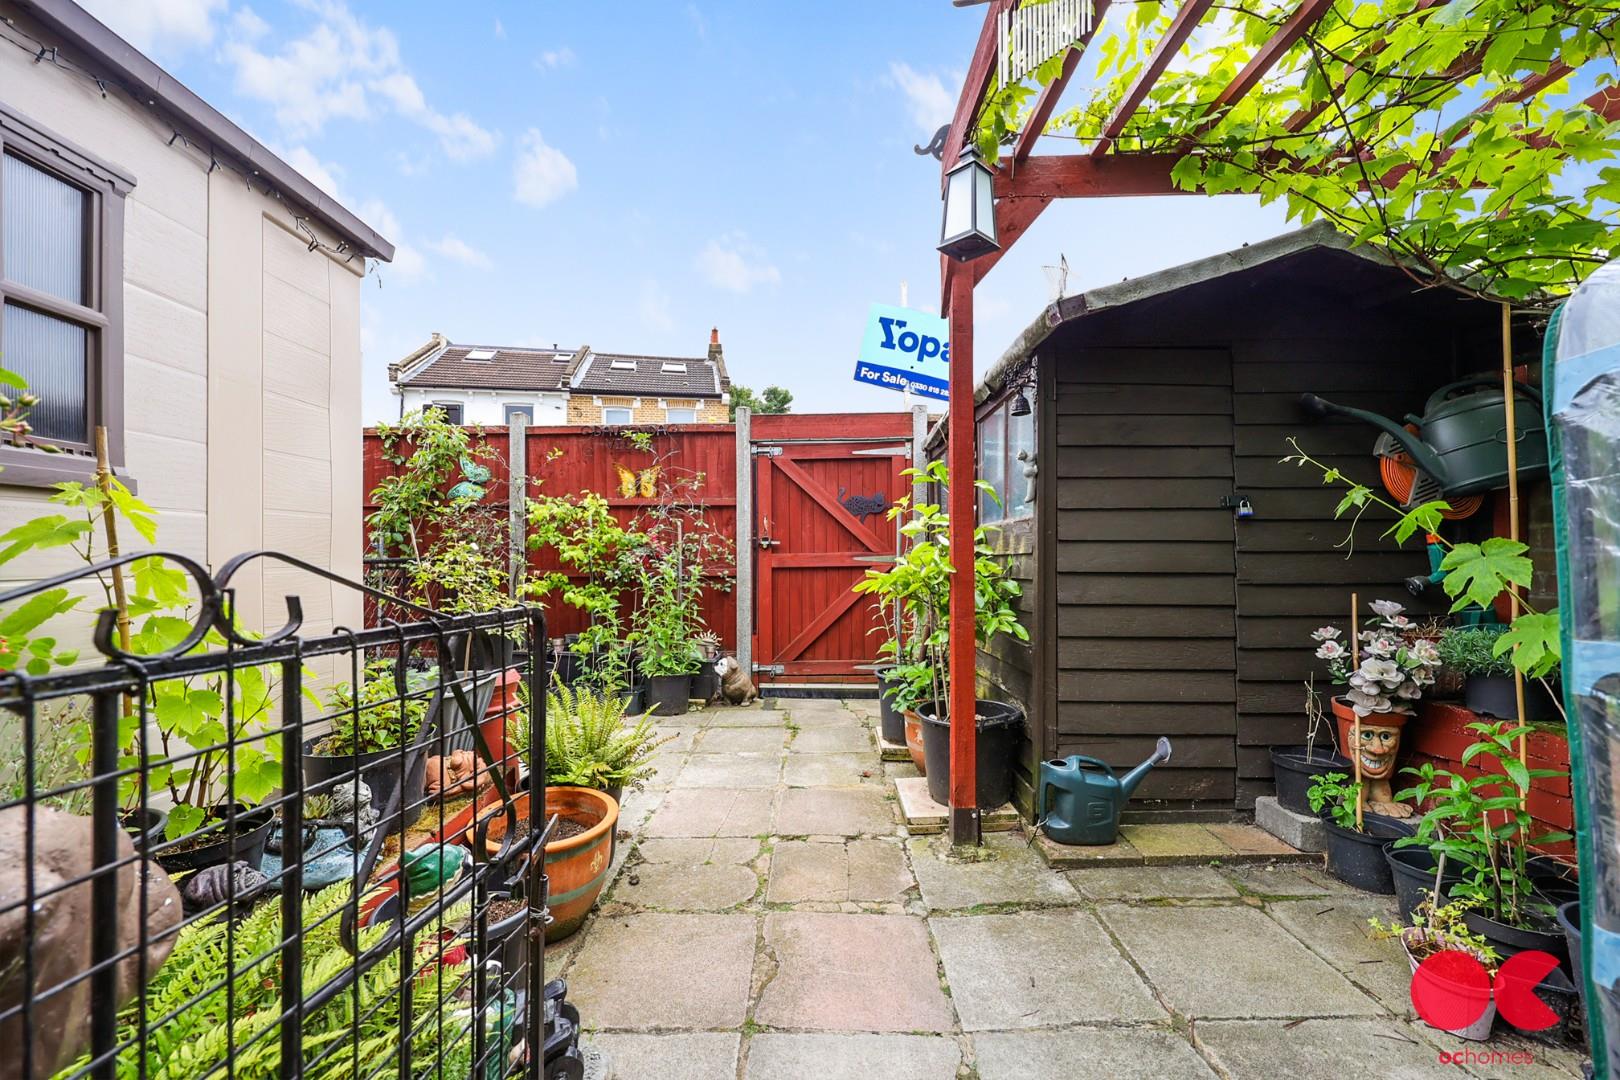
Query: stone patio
[[772, 918]]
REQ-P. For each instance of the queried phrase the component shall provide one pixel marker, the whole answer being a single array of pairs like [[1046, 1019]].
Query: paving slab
[[745, 716], [832, 740], [893, 751], [652, 971], [923, 815], [669, 1056], [1293, 880], [837, 972], [1033, 969], [862, 870], [818, 715], [1336, 929], [713, 812], [1505, 1057], [901, 770], [1151, 883], [1071, 856], [1089, 1054], [850, 811], [678, 740], [1231, 962], [831, 770], [1175, 843], [1250, 842], [740, 740], [1342, 1049], [731, 771], [773, 1056], [1006, 871], [690, 875]]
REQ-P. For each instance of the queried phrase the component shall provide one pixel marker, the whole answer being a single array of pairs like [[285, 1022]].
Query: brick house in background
[[489, 384]]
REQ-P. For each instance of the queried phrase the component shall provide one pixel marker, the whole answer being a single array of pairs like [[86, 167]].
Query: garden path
[[770, 919]]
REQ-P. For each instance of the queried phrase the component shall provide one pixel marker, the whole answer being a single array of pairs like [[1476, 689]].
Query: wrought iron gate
[[198, 947]]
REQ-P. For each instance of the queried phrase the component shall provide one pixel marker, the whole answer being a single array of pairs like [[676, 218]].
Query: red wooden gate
[[822, 485]]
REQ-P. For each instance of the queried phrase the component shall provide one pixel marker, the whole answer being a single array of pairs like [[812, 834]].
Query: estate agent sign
[[905, 350]]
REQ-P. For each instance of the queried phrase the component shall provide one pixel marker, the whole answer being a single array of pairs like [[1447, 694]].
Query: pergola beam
[[1307, 15], [1082, 176], [1048, 99], [1181, 27], [973, 87]]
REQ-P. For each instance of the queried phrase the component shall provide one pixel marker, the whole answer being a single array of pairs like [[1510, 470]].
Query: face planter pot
[[1377, 748]]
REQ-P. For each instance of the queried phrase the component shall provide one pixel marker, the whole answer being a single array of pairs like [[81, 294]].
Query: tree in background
[[774, 400]]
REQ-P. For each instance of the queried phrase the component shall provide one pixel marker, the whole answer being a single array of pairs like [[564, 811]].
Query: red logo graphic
[[1451, 990]]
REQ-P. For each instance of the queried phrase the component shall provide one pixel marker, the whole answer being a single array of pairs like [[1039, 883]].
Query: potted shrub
[[1355, 852], [920, 580], [1294, 767], [1488, 677], [1440, 929], [369, 727], [591, 743], [666, 627], [1482, 825]]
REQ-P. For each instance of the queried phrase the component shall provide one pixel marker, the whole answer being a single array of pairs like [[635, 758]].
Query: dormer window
[[672, 367], [480, 354], [623, 365]]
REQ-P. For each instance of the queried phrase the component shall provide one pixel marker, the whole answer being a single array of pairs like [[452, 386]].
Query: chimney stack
[[715, 352]]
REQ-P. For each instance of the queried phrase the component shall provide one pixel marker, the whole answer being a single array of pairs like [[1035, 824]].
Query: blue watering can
[[1080, 798]]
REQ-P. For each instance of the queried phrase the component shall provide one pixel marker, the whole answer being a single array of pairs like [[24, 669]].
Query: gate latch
[[767, 451], [769, 669]]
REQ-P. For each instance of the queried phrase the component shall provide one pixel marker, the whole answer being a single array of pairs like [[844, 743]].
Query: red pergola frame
[[1025, 185]]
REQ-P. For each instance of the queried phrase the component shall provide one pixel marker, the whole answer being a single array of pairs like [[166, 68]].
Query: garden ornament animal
[[735, 687], [1080, 798], [862, 506]]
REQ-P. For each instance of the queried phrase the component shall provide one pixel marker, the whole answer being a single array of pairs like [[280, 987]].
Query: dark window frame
[[510, 407], [102, 317], [445, 407], [1012, 468]]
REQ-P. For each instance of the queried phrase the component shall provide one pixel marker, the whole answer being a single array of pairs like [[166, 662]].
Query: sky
[[629, 175]]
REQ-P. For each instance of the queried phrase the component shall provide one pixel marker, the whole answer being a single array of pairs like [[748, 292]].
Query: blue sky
[[630, 174]]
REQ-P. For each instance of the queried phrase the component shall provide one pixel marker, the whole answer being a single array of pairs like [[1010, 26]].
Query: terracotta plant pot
[[577, 866], [914, 742], [1346, 716]]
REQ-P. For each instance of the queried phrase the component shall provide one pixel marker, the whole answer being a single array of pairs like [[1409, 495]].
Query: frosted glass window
[[681, 416], [44, 231], [1020, 436], [614, 415], [52, 355], [993, 464]]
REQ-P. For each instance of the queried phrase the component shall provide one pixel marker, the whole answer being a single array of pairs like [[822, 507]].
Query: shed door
[[1145, 567]]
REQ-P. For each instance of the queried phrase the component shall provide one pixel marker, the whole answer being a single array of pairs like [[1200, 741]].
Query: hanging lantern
[[969, 228]]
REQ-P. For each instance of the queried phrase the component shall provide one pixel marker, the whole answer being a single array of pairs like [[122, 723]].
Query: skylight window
[[671, 368], [480, 354], [623, 365]]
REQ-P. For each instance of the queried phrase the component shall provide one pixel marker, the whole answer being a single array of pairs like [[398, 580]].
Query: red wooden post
[[964, 818]]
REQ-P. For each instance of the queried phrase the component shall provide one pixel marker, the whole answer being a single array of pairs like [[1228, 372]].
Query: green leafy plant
[[1440, 926], [1339, 798], [1471, 650], [600, 563], [773, 401], [414, 502], [382, 716], [589, 741], [1482, 824], [920, 582]]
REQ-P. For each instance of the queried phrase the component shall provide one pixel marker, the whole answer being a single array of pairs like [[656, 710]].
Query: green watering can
[[1461, 440], [1080, 797]]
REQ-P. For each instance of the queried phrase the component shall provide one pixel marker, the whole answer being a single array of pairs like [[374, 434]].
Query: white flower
[[1330, 650], [1325, 633], [1367, 704], [1387, 608], [1401, 622], [1408, 691], [1382, 670], [1380, 646]]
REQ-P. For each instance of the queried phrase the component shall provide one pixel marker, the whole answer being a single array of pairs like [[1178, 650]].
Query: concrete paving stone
[[731, 771], [1338, 1048], [679, 739], [1185, 843], [665, 769], [815, 713], [740, 740], [1337, 930], [1031, 969], [1272, 879], [670, 1056], [863, 706], [713, 812], [1507, 1056], [1252, 843], [1007, 872], [773, 1056], [852, 811], [690, 875], [893, 751], [652, 971], [832, 770], [1070, 856], [923, 815], [1231, 962], [832, 740], [836, 972], [741, 716], [1088, 1054], [862, 870], [898, 770], [1150, 883], [637, 805]]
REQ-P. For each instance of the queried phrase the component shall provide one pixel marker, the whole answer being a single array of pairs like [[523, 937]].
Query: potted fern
[[590, 742]]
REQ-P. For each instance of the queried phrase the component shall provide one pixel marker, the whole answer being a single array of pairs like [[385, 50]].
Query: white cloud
[[552, 59], [322, 174], [543, 173], [500, 29], [654, 306], [733, 263], [159, 26], [409, 262], [930, 104], [457, 250], [342, 68], [699, 23]]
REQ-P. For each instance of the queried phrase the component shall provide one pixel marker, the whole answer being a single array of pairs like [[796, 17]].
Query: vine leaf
[[1476, 574], [1534, 639]]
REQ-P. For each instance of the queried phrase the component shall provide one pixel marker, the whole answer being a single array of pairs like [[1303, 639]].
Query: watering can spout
[[1423, 456], [1161, 754]]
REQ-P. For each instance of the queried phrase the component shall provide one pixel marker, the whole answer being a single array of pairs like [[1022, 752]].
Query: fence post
[[745, 543], [517, 487]]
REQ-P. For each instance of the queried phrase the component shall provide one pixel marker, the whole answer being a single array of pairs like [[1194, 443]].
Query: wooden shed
[[1156, 404]]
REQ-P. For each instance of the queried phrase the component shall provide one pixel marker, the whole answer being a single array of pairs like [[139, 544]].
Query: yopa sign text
[[905, 350]]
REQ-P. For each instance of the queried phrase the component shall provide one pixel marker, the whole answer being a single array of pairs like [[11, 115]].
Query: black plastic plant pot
[[635, 700], [1000, 731], [1357, 858], [1569, 921], [506, 941], [705, 684], [213, 844], [1542, 934], [1412, 871], [379, 770], [1493, 695], [668, 695], [890, 721], [568, 667], [1294, 767], [145, 827]]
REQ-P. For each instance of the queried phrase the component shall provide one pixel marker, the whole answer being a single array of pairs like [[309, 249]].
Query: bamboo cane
[[1509, 419], [109, 520], [1355, 727]]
